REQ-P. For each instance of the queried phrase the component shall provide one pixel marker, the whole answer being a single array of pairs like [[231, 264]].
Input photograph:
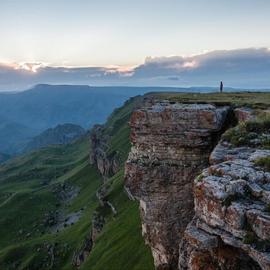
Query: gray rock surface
[[231, 203]]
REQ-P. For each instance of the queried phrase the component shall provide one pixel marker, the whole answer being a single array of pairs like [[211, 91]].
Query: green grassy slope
[[120, 245], [31, 187]]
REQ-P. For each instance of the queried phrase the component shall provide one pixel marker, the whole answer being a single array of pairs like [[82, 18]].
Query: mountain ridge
[[60, 134]]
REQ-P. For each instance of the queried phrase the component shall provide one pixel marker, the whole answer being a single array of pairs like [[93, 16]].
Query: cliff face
[[171, 145], [171, 165], [107, 165]]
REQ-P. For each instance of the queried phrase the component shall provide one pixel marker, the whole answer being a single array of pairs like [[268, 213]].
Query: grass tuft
[[264, 162]]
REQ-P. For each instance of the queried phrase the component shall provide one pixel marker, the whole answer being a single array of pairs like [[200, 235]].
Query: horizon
[[240, 68], [196, 89]]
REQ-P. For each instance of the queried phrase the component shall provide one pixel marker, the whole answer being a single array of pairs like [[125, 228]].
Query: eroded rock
[[244, 114], [171, 145], [107, 164], [231, 200]]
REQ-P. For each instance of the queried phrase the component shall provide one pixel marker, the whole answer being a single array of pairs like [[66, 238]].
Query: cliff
[[171, 145], [107, 164], [202, 200]]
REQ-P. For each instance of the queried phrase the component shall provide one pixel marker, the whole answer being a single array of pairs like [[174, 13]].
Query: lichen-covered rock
[[203, 250], [171, 145], [231, 203], [244, 114]]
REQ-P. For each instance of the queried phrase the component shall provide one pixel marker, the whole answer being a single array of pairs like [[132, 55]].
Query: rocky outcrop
[[107, 164], [244, 114], [80, 255], [171, 145], [102, 196], [231, 227]]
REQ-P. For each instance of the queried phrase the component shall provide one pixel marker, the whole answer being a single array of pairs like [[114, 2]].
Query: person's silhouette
[[221, 87]]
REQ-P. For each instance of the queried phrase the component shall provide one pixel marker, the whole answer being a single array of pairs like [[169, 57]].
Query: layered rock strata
[[171, 145], [231, 227]]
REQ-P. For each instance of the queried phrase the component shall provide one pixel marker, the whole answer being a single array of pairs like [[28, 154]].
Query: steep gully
[[172, 143]]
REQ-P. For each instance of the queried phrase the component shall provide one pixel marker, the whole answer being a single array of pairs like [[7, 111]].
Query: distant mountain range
[[3, 157], [26, 114], [61, 134], [14, 135]]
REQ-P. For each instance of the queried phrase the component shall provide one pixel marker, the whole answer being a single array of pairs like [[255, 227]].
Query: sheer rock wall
[[171, 146]]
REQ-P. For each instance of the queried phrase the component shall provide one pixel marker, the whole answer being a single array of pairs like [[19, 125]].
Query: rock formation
[[171, 145], [231, 227], [107, 165], [244, 114], [171, 165], [80, 255]]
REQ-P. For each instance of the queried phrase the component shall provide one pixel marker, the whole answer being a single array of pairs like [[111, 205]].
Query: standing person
[[221, 87]]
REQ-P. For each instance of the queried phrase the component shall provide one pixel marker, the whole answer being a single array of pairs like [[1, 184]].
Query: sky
[[125, 34]]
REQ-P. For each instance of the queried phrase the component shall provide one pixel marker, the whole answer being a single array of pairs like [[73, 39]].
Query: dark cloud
[[239, 68]]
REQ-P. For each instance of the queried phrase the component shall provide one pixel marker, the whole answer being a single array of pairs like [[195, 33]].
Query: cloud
[[239, 68], [242, 60], [22, 76]]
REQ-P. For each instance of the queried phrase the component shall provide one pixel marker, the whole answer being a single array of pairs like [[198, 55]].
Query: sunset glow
[[32, 67]]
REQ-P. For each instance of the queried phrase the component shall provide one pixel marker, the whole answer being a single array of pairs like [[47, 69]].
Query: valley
[[48, 204]]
